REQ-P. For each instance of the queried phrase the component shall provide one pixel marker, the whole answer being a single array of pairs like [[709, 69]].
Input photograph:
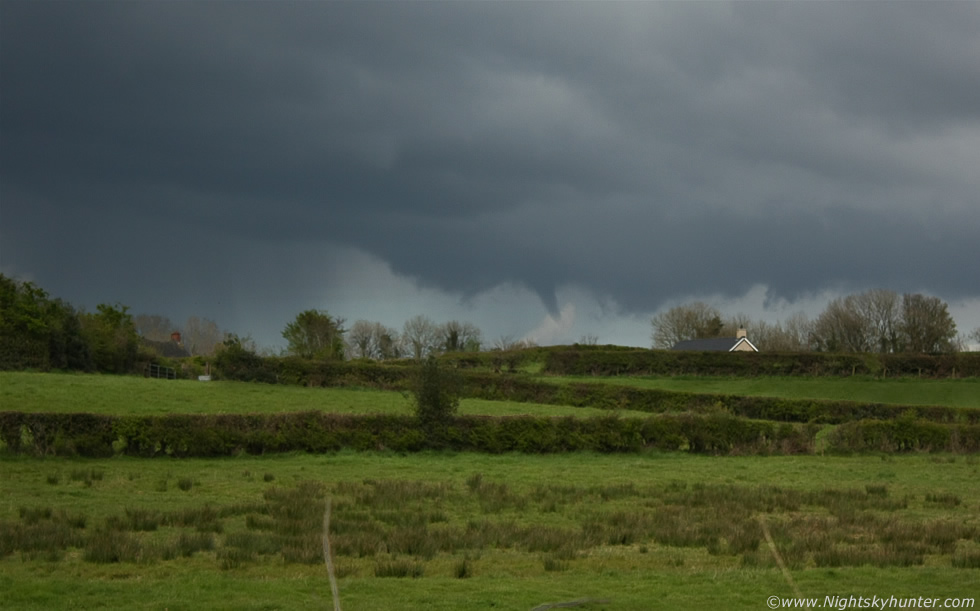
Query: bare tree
[[879, 309], [841, 328], [690, 321], [507, 342], [373, 340], [360, 340], [154, 327], [734, 323], [799, 331], [421, 336], [201, 336]]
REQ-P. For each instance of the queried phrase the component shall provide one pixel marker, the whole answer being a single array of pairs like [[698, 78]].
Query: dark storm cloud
[[641, 150]]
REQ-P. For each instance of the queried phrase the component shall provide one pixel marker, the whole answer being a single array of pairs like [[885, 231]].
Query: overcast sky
[[544, 170]]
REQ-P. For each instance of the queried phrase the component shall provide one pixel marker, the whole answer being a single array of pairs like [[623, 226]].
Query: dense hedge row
[[904, 435], [224, 435], [248, 367], [608, 396], [577, 361]]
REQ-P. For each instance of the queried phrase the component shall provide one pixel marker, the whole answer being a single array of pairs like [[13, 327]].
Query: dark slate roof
[[713, 344]]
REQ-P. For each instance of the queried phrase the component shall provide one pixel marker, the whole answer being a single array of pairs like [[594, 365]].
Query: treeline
[[94, 435], [876, 321], [40, 332]]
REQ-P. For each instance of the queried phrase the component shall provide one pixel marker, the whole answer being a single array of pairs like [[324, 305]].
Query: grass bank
[[137, 396]]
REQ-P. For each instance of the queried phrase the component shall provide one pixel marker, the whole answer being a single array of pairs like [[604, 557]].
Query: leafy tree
[[315, 335], [37, 331], [926, 324], [24, 326], [696, 320], [436, 389], [67, 346], [236, 359], [455, 336], [111, 338]]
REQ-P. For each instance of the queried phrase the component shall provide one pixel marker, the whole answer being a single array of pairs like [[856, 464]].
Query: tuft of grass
[[554, 564], [463, 569], [185, 483], [189, 544], [967, 560], [947, 499], [107, 546], [140, 519], [234, 557], [33, 515], [876, 490], [398, 567]]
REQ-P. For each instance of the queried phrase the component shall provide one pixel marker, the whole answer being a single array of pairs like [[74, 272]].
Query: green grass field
[[528, 529], [132, 395], [900, 391], [472, 531]]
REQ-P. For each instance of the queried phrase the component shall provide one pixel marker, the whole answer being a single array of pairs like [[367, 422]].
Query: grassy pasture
[[461, 531], [900, 391], [132, 395], [511, 532]]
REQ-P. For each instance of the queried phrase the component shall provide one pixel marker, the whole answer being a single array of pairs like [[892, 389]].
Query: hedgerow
[[579, 361], [187, 435]]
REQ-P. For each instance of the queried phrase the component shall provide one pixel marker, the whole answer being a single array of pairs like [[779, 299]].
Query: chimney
[[741, 333], [175, 337]]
